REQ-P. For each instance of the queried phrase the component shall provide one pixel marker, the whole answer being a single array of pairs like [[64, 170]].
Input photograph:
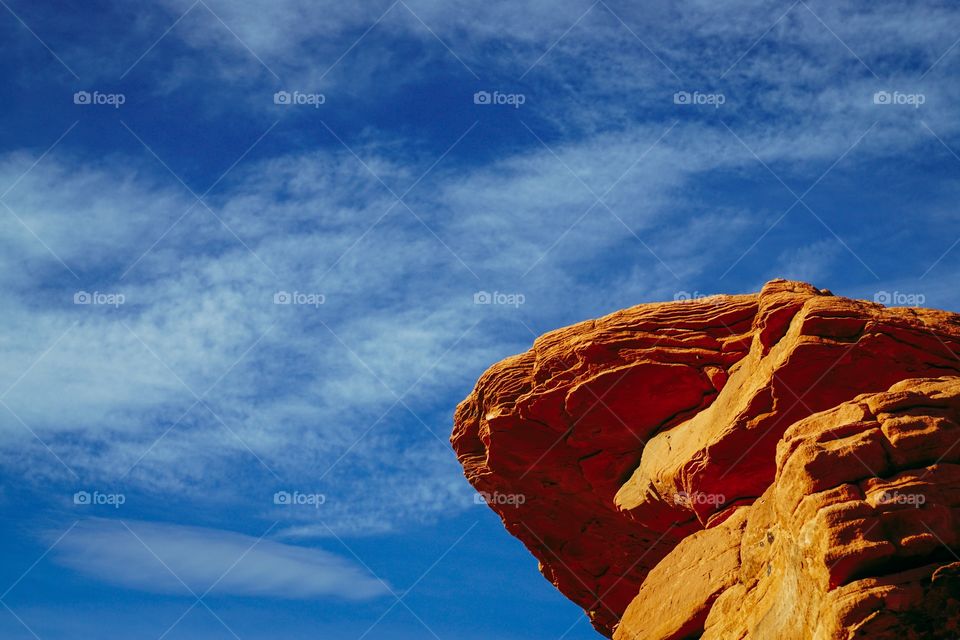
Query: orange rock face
[[777, 465]]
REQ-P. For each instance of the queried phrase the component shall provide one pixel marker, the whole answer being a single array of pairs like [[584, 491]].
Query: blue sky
[[158, 198]]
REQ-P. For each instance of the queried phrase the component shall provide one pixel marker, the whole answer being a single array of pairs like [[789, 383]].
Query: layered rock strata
[[774, 465]]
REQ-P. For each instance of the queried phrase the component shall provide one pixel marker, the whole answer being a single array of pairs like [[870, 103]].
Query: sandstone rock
[[852, 539], [735, 467]]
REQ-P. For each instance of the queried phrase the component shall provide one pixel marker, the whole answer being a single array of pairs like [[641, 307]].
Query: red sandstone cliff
[[776, 465]]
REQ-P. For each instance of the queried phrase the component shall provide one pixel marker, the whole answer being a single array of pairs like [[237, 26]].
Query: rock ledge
[[777, 465]]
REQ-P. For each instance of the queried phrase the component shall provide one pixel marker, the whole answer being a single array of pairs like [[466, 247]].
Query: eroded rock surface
[[776, 465]]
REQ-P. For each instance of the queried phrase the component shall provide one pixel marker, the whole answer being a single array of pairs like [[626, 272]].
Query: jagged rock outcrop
[[775, 465]]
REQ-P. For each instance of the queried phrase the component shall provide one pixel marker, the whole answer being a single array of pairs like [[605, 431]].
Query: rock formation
[[776, 465]]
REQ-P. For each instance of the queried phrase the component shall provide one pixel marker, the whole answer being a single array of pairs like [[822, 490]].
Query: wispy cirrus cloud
[[165, 558], [199, 371], [199, 398], [606, 193]]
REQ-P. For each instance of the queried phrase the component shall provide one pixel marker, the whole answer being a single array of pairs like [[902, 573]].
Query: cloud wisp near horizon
[[254, 253], [168, 558]]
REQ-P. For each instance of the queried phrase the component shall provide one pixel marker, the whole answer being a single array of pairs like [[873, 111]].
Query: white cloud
[[618, 64], [164, 558], [296, 397], [811, 262], [397, 299], [399, 304]]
